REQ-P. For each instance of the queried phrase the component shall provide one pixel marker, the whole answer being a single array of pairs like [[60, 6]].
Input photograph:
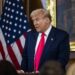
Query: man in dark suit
[[56, 45]]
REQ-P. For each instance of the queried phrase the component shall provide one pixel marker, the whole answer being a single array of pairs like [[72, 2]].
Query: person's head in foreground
[[6, 68], [52, 68]]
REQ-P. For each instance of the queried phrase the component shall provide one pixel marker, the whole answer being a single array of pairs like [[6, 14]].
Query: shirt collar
[[48, 30]]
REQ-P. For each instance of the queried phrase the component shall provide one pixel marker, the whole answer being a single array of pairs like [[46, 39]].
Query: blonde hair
[[42, 12]]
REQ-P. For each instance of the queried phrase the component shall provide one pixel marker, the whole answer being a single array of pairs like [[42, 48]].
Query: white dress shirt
[[39, 37]]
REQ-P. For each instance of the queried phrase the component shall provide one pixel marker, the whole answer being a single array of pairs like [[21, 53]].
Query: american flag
[[13, 27]]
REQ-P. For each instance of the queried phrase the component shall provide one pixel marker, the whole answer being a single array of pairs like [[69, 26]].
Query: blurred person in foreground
[[54, 45], [7, 68], [52, 68]]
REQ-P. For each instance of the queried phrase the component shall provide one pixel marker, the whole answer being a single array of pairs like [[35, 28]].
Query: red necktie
[[39, 52]]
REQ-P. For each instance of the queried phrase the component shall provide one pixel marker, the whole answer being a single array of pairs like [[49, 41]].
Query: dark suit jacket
[[56, 48]]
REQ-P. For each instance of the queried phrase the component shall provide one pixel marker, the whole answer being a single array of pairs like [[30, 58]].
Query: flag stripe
[[2, 51], [2, 40], [19, 46], [22, 40], [1, 56], [17, 52], [3, 43], [13, 57]]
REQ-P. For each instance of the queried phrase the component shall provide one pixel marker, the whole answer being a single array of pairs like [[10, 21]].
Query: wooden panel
[[30, 5], [0, 7]]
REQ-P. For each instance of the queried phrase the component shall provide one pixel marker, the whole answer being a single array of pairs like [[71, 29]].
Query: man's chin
[[38, 30]]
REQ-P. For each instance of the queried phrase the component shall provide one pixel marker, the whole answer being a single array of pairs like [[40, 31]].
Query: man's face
[[41, 23]]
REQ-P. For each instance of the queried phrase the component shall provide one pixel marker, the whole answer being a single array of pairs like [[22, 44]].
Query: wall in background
[[0, 7]]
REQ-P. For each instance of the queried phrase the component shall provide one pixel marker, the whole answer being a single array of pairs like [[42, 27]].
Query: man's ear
[[47, 20]]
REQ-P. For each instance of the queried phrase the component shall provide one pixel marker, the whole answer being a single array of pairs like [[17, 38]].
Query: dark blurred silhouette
[[6, 68], [52, 68]]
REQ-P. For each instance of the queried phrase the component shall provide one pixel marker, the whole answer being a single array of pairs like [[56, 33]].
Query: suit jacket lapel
[[49, 42], [50, 39]]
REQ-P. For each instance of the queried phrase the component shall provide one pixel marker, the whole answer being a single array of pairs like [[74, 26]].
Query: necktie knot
[[43, 34]]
